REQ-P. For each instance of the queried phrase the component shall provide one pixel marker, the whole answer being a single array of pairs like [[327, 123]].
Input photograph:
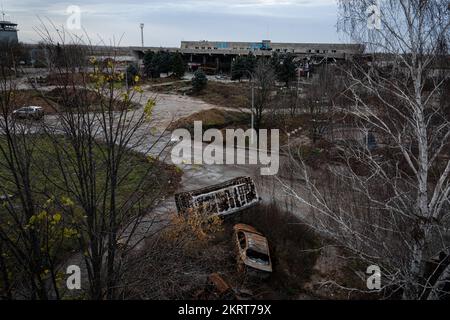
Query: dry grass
[[24, 98], [212, 118], [179, 268], [229, 95]]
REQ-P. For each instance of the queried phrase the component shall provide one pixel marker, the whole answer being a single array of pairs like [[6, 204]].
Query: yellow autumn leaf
[[57, 217]]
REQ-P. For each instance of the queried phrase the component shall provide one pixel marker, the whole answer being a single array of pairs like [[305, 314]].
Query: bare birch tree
[[390, 206]]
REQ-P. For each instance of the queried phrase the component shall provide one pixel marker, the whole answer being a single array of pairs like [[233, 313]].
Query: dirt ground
[[297, 273], [300, 262], [26, 98], [228, 95], [212, 118]]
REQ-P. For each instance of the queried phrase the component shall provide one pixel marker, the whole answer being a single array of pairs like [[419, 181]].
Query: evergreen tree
[[250, 63], [242, 66], [199, 81], [148, 66], [237, 68], [132, 72], [286, 69], [178, 65], [160, 63]]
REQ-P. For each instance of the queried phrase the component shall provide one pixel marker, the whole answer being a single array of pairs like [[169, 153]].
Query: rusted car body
[[220, 288], [217, 288], [252, 251], [222, 199]]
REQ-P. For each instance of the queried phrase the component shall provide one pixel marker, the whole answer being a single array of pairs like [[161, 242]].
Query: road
[[169, 108]]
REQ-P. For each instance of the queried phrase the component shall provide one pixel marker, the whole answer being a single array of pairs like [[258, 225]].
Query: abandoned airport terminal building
[[218, 55], [266, 47], [214, 57]]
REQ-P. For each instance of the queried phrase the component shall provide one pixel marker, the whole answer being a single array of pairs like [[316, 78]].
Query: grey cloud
[[168, 22]]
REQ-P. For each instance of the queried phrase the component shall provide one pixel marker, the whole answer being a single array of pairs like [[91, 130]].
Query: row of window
[[277, 50]]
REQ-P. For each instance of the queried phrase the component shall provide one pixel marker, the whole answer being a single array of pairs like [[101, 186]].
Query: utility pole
[[253, 108], [3, 13], [142, 35]]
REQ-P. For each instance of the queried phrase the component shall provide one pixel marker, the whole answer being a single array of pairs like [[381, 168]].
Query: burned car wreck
[[252, 251], [222, 199]]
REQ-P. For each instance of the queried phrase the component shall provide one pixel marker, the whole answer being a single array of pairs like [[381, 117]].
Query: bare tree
[[264, 81], [97, 193], [101, 125], [390, 207], [30, 247]]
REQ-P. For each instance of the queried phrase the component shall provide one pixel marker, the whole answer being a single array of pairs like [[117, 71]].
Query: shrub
[[199, 81], [178, 66]]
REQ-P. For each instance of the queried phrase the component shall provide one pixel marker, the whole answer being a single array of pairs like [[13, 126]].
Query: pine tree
[[148, 67], [199, 81], [178, 65]]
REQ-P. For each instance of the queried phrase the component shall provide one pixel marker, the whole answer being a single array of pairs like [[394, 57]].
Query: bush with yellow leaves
[[194, 226]]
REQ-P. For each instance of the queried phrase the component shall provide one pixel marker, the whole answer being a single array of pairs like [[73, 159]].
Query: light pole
[[253, 107], [142, 35]]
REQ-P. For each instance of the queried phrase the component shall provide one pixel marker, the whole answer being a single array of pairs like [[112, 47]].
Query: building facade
[[217, 56], [266, 47], [8, 32]]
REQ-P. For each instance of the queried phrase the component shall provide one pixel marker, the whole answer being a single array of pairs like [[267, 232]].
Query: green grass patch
[[139, 176]]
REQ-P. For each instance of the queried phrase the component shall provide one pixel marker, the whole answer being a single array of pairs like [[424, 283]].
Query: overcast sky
[[167, 22]]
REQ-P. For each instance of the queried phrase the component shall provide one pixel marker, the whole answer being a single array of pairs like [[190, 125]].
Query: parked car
[[252, 251], [222, 77], [32, 112]]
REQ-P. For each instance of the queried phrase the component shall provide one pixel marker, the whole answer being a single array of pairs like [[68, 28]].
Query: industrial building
[[266, 47], [217, 56], [8, 32]]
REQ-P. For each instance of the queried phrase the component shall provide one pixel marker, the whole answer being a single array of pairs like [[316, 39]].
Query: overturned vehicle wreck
[[222, 199]]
